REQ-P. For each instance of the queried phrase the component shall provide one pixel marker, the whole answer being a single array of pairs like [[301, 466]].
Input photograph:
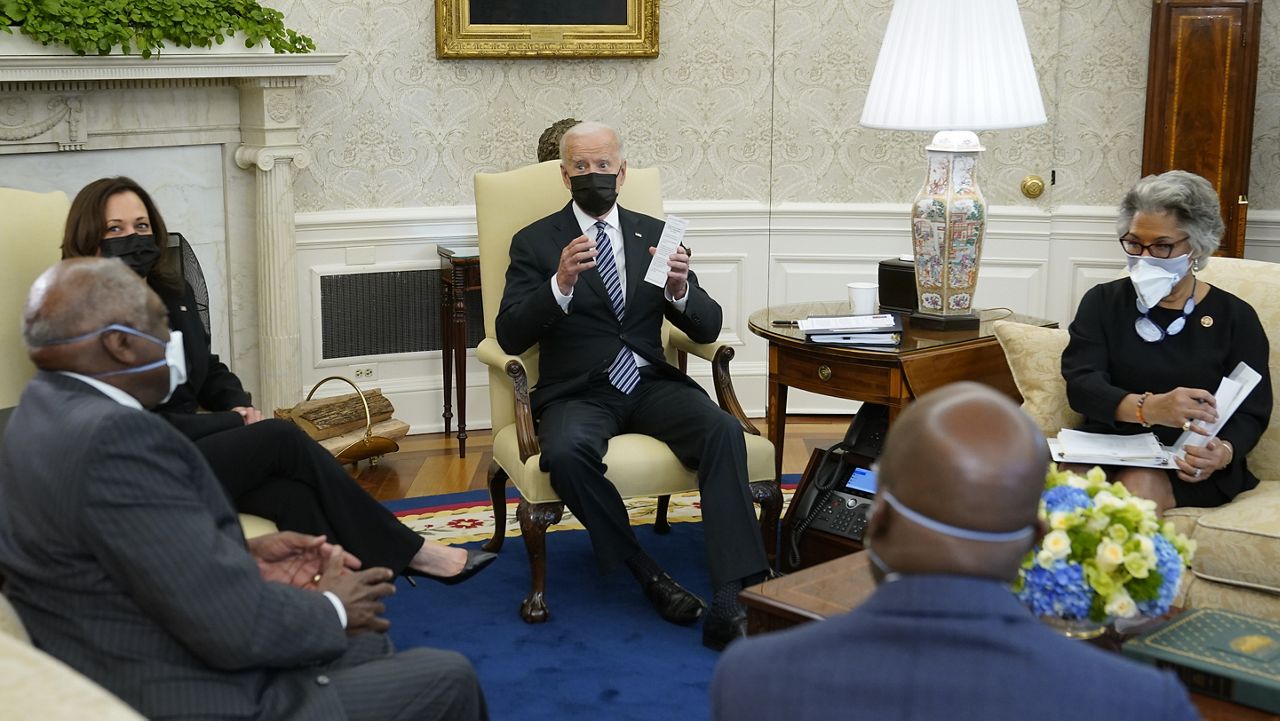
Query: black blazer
[[576, 348], [210, 385]]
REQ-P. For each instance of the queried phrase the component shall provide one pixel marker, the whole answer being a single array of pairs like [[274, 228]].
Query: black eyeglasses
[[1157, 250]]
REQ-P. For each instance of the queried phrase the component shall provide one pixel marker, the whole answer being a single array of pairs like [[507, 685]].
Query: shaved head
[[80, 295], [967, 456]]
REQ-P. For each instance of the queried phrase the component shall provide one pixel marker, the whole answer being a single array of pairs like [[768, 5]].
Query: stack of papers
[[1144, 450], [881, 329], [1109, 449]]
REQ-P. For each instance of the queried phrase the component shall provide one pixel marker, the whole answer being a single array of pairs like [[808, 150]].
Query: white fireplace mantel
[[243, 100]]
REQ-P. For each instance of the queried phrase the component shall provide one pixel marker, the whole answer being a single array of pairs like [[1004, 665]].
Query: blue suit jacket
[[931, 647]]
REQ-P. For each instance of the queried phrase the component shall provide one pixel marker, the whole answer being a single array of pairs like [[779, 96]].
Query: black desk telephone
[[836, 496]]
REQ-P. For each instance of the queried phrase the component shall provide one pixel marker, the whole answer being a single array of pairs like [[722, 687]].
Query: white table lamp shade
[[954, 65]]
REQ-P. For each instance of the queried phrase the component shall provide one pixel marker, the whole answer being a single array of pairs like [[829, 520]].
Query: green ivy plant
[[97, 26]]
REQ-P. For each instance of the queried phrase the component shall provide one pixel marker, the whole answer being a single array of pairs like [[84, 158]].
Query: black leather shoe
[[673, 602], [476, 561], [720, 631]]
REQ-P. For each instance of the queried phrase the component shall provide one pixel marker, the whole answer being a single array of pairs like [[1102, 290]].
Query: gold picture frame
[[458, 37]]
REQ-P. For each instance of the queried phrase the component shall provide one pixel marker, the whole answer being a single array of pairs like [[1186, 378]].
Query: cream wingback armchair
[[639, 465], [31, 226], [1237, 564], [34, 684]]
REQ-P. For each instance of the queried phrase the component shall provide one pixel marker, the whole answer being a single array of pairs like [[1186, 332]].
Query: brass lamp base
[[968, 321]]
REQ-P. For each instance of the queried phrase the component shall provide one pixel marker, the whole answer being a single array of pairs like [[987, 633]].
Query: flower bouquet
[[1106, 555]]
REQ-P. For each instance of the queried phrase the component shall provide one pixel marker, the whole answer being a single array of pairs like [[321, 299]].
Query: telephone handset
[[837, 496]]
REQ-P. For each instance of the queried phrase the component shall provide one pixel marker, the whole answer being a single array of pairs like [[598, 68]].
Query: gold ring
[[1186, 425], [316, 578]]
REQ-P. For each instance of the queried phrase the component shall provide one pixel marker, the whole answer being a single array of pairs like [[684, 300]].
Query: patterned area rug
[[465, 517]]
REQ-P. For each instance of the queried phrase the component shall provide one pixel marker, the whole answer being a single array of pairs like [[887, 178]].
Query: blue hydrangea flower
[[1057, 591], [1066, 499], [1169, 566]]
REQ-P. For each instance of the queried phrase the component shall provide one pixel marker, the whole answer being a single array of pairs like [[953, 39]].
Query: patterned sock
[[725, 604], [643, 567]]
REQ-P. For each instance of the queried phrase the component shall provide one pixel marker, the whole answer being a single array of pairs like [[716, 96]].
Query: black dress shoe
[[476, 561], [720, 631], [673, 602]]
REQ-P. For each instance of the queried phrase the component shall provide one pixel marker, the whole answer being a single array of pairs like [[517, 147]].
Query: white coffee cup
[[863, 298]]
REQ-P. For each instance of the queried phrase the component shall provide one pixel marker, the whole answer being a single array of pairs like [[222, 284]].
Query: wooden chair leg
[[534, 520], [769, 495], [498, 497], [660, 524]]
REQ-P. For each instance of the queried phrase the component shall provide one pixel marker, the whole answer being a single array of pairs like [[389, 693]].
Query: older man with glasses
[[1147, 350]]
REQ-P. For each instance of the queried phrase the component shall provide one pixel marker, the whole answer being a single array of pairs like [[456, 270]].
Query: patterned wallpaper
[[748, 100]]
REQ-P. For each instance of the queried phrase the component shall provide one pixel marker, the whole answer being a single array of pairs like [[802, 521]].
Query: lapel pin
[[1206, 321], [182, 308]]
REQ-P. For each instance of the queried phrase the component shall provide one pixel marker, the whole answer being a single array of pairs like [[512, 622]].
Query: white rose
[[1146, 547], [1057, 544], [1045, 559], [1058, 520], [1110, 555], [1121, 605], [1106, 501]]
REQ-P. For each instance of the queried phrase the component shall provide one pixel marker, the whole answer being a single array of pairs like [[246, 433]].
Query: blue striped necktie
[[623, 373]]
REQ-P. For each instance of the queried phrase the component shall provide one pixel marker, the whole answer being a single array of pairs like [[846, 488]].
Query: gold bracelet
[[1142, 418], [1231, 452]]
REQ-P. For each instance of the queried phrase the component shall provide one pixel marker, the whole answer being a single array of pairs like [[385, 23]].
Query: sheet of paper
[[846, 323], [1232, 391], [672, 234]]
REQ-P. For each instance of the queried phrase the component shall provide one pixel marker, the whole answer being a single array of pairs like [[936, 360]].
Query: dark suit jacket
[[576, 348], [210, 383], [937, 647], [125, 561]]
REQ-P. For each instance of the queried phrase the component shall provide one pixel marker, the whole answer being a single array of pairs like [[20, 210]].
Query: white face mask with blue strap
[[174, 354], [946, 529]]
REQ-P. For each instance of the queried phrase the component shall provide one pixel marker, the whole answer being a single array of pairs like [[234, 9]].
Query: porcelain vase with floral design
[[948, 221]]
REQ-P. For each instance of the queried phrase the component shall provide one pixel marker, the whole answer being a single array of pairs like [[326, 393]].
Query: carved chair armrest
[[492, 355], [719, 355]]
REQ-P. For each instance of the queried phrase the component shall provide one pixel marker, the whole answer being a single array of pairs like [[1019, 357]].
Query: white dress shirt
[[613, 231]]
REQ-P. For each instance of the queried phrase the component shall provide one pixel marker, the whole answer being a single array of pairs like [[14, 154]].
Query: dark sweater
[[1105, 360]]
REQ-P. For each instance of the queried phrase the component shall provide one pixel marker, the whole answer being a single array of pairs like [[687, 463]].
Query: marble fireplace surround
[[244, 103]]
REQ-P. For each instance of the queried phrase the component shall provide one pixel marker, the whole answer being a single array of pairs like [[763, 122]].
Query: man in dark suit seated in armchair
[[126, 561], [576, 288], [943, 636]]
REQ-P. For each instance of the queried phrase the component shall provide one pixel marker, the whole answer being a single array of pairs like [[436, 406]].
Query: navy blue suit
[[578, 411], [929, 647]]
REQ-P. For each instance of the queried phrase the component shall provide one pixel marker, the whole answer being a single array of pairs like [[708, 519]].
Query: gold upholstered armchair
[[31, 226], [638, 465]]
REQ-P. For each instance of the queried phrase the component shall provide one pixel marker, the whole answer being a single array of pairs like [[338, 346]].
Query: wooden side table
[[459, 273], [924, 360]]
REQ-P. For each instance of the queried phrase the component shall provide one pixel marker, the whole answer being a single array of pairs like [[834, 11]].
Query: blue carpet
[[604, 653]]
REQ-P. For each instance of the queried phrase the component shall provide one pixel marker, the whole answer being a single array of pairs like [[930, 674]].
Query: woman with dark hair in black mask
[[269, 468]]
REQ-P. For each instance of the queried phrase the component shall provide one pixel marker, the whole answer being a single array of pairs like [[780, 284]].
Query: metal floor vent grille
[[397, 312]]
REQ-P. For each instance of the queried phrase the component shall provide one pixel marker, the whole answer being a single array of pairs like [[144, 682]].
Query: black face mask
[[594, 192], [137, 251]]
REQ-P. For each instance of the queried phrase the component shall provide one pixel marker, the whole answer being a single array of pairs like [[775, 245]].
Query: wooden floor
[[428, 464]]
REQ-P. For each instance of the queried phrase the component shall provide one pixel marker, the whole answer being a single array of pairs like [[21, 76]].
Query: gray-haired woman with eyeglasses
[[1147, 352]]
